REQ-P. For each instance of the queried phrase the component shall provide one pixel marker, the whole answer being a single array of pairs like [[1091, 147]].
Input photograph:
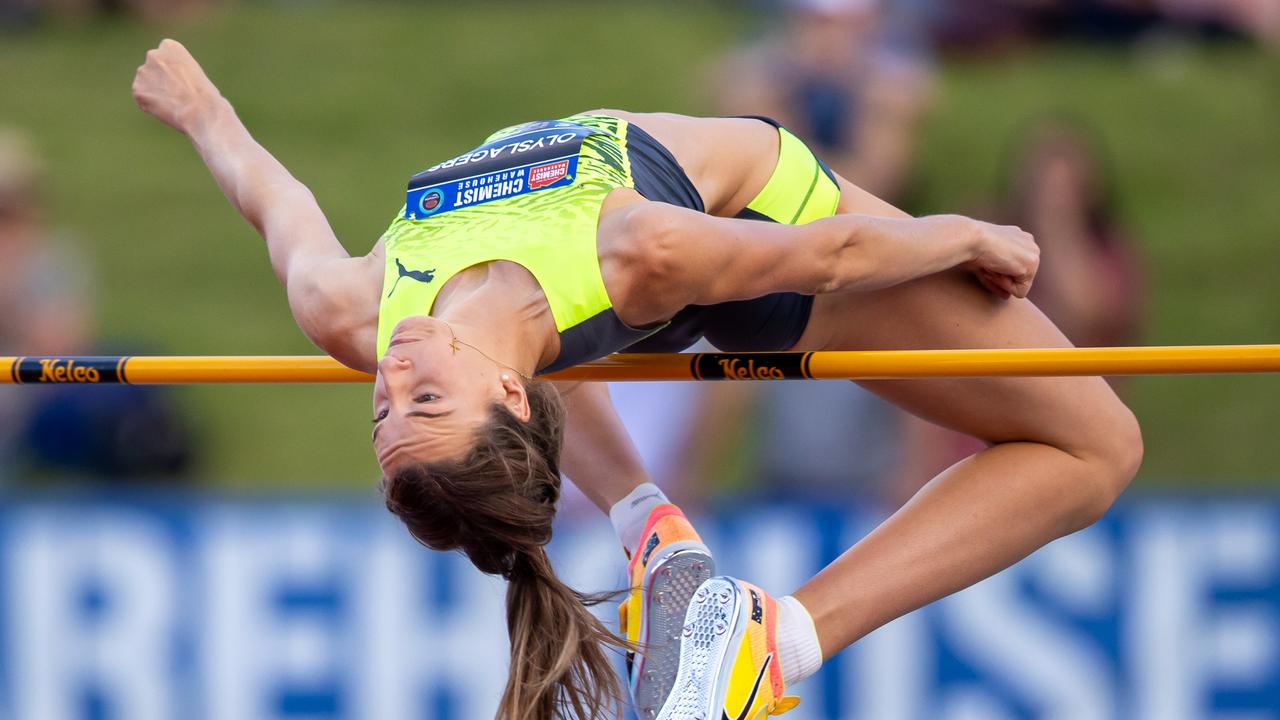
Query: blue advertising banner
[[189, 608]]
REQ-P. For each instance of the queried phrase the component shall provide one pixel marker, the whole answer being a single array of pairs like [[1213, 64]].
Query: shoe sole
[[672, 582], [712, 627]]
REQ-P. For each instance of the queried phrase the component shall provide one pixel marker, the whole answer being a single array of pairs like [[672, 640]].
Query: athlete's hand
[[171, 86], [1006, 259]]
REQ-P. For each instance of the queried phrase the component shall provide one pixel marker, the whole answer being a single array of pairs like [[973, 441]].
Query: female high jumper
[[560, 241]]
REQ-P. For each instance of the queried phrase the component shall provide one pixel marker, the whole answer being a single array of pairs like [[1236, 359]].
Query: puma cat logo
[[423, 276]]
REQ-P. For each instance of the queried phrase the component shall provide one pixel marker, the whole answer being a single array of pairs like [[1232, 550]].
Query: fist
[[1007, 259], [171, 86]]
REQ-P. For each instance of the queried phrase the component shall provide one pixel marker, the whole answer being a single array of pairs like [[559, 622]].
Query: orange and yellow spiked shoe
[[729, 658], [668, 566]]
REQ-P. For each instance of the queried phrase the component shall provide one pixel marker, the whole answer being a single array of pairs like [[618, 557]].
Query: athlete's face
[[430, 396]]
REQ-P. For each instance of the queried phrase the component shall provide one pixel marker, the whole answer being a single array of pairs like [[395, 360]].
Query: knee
[[1113, 455]]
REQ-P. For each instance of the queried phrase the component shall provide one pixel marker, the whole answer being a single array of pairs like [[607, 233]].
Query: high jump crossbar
[[822, 365]]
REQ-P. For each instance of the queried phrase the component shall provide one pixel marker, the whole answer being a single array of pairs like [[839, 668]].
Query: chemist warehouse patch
[[535, 156]]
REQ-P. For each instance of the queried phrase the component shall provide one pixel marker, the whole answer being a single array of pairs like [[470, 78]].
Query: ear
[[515, 397]]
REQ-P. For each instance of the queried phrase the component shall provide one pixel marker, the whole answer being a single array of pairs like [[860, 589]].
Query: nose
[[392, 367]]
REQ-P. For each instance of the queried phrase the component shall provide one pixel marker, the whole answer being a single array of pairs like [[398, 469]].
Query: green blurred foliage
[[355, 97]]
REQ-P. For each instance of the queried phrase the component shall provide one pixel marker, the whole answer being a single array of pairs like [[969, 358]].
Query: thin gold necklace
[[454, 342]]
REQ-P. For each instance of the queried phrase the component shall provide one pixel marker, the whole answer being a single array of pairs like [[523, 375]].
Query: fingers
[[1021, 288], [994, 284], [170, 48], [1004, 286], [992, 288], [1008, 262], [169, 52], [174, 46], [1012, 266]]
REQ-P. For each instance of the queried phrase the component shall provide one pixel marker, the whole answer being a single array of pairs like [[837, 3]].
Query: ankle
[[799, 651], [630, 514]]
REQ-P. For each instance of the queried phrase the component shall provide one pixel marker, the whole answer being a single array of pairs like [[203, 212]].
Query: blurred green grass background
[[355, 97]]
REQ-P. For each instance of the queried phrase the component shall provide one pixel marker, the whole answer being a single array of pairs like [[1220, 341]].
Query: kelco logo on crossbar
[[57, 370], [53, 370], [735, 370], [750, 366]]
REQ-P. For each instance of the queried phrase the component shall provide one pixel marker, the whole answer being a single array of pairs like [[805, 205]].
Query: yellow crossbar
[[825, 365]]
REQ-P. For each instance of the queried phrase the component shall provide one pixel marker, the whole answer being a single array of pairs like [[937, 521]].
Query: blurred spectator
[[18, 14], [44, 310], [1259, 19], [44, 283], [845, 79], [1091, 281], [995, 25], [851, 78]]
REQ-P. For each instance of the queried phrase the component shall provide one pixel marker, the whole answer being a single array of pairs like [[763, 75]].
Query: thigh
[[950, 311]]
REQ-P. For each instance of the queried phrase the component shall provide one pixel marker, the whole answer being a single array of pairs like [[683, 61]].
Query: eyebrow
[[414, 413]]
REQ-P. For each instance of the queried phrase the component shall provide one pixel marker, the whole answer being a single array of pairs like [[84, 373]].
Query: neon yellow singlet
[[531, 195]]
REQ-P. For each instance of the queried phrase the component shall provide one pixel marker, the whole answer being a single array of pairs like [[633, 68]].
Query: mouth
[[403, 340]]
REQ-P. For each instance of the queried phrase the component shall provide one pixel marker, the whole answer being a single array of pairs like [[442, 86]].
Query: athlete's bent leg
[[1062, 450]]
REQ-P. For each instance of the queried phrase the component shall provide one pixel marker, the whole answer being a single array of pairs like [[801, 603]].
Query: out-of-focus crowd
[[51, 435], [982, 25], [77, 433]]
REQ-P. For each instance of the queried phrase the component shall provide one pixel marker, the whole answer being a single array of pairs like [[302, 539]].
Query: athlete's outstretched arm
[[688, 258], [327, 288]]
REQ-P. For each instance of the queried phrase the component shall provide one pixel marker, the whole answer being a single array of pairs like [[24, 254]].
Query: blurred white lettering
[[91, 616]]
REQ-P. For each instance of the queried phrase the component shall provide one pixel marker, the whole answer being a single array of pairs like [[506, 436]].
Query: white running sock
[[630, 513], [798, 647]]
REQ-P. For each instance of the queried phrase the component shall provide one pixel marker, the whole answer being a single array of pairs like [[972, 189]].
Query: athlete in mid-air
[[557, 242]]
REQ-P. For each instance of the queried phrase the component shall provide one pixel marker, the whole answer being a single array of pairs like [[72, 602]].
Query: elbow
[[648, 245], [841, 262], [326, 324]]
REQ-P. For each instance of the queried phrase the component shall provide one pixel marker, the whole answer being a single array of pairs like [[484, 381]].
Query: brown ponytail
[[496, 505]]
